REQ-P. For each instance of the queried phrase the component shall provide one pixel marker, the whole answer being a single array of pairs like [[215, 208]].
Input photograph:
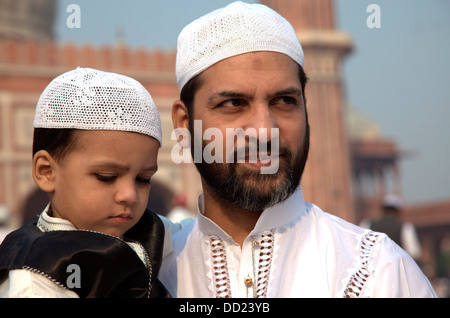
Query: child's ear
[[44, 171]]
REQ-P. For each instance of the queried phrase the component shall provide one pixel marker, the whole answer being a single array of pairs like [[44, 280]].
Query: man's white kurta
[[295, 250]]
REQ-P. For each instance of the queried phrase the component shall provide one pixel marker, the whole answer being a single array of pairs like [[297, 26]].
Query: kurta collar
[[47, 223], [275, 217]]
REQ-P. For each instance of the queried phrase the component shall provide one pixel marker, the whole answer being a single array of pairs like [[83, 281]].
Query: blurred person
[[5, 216], [180, 212], [242, 67], [401, 232], [95, 145]]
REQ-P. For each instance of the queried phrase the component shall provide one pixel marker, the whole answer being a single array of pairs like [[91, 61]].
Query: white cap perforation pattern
[[90, 99], [236, 29]]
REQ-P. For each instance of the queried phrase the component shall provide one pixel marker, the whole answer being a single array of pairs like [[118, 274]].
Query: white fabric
[[314, 254], [22, 283], [238, 28], [26, 284], [86, 98]]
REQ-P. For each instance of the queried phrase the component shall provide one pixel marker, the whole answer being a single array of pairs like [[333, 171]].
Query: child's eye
[[143, 180], [105, 178]]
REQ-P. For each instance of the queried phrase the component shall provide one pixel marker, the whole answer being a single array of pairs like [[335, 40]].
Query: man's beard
[[250, 190]]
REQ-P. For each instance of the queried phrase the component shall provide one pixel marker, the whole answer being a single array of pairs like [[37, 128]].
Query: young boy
[[95, 147]]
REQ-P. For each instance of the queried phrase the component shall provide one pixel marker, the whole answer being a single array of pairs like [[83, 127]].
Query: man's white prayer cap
[[90, 99], [393, 201], [238, 28]]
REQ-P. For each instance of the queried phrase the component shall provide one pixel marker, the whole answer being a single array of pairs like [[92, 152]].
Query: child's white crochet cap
[[238, 28], [90, 99]]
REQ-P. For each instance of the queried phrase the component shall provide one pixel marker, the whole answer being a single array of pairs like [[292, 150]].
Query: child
[[95, 147]]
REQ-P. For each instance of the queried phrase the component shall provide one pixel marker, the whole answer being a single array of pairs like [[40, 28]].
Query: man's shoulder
[[333, 221]]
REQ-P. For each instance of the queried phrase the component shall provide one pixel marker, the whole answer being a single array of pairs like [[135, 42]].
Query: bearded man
[[241, 67]]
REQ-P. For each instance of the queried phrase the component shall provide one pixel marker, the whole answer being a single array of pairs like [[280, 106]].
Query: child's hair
[[89, 99], [57, 142]]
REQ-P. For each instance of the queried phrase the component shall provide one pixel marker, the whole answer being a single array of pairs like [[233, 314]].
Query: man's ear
[[180, 117], [44, 171], [180, 120]]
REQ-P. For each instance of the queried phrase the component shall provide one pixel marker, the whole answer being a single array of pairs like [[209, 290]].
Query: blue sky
[[398, 74]]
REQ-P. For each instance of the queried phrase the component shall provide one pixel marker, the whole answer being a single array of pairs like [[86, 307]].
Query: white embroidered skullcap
[[393, 201], [238, 28], [90, 99]]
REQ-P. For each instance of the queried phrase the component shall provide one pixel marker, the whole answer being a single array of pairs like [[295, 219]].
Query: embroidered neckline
[[265, 262], [221, 279], [358, 280], [220, 268]]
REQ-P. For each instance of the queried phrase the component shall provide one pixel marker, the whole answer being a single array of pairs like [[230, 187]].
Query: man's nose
[[263, 121]]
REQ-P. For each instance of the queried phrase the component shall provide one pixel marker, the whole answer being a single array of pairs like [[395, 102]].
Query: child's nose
[[126, 193]]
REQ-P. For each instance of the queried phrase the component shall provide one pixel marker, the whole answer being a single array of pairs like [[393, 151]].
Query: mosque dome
[[361, 127]]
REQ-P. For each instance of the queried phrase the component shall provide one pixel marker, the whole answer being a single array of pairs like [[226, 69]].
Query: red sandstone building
[[350, 164]]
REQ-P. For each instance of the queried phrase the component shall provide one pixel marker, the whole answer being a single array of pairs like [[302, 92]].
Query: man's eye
[[232, 103], [287, 100], [105, 178]]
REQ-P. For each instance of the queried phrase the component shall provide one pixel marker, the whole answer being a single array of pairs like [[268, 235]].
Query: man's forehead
[[255, 59], [241, 73]]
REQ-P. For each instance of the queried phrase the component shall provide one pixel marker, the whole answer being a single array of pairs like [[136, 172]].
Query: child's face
[[103, 185]]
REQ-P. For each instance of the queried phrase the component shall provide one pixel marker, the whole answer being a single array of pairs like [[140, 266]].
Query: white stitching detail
[[265, 262], [358, 280], [220, 268]]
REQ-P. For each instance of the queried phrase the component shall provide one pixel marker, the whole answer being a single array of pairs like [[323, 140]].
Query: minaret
[[327, 178], [24, 19]]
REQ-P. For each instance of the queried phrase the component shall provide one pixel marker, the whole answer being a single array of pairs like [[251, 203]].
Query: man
[[255, 236], [401, 232]]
